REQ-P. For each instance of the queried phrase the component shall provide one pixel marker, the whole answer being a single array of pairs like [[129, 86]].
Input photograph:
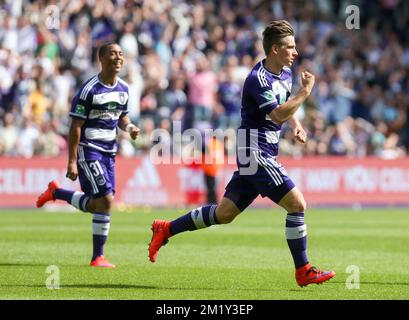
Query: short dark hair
[[274, 32], [104, 48]]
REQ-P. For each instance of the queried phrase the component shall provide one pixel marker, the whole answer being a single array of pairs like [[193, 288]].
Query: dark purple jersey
[[101, 107], [262, 92]]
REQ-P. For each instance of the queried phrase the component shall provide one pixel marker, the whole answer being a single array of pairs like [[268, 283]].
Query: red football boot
[[308, 274], [102, 262], [160, 234], [48, 195]]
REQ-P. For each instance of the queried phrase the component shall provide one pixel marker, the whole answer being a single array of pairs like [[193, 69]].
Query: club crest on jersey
[[100, 180], [122, 97]]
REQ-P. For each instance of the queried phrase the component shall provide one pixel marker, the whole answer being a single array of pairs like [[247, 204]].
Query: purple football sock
[[199, 218], [296, 234]]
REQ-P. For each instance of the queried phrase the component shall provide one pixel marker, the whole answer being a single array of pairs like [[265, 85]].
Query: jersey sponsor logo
[[111, 98], [104, 114], [80, 109], [111, 106]]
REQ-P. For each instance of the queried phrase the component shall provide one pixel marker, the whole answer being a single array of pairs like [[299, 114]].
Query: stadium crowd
[[186, 61]]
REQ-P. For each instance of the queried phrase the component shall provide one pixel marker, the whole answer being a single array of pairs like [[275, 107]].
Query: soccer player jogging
[[265, 107], [99, 107]]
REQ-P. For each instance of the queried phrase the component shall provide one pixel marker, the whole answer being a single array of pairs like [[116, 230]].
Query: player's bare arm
[[125, 124], [73, 141], [299, 133], [287, 110]]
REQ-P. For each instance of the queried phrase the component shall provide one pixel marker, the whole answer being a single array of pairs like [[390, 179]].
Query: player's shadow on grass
[[88, 286], [386, 283], [381, 283], [22, 264], [109, 286]]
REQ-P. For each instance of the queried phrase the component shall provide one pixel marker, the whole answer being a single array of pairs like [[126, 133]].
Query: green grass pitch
[[247, 259]]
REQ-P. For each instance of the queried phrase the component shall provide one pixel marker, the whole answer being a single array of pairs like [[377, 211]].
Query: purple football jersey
[[262, 92], [100, 106]]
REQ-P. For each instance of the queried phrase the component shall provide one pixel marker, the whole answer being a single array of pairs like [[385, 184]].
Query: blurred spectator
[[126, 149], [50, 144], [135, 85], [202, 84], [9, 135], [229, 95], [149, 105], [362, 131], [128, 42], [342, 141], [62, 84], [9, 33], [7, 83], [37, 104], [175, 99], [27, 138], [144, 141]]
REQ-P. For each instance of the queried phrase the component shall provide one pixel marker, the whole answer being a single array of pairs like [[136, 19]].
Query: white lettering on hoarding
[[394, 180], [27, 181], [360, 179], [322, 180], [151, 197], [316, 180]]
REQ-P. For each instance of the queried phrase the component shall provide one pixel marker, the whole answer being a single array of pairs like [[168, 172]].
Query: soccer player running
[[99, 107], [265, 107]]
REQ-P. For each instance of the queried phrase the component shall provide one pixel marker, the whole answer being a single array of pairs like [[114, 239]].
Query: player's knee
[[91, 206], [298, 205], [294, 202], [104, 204], [226, 217], [226, 211]]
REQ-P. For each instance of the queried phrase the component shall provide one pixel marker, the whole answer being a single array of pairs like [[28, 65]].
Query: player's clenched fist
[[133, 131], [300, 135], [307, 80], [72, 171]]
